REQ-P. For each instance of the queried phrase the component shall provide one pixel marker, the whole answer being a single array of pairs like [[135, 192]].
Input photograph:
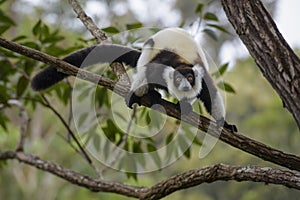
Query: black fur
[[171, 59], [86, 57]]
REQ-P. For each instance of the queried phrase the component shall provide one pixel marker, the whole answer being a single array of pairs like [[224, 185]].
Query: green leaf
[[211, 34], [210, 16], [21, 86], [220, 28], [226, 87], [3, 121], [45, 31], [183, 144], [197, 142], [32, 45], [4, 19], [111, 29], [151, 148], [169, 138], [221, 70], [3, 28], [134, 26], [131, 175], [187, 153], [37, 28], [21, 37], [52, 39], [5, 22], [199, 8], [110, 130]]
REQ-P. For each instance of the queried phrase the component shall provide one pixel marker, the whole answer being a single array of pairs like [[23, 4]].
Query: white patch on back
[[178, 41], [183, 44]]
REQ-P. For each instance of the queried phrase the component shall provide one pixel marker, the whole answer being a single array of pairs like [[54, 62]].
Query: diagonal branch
[[202, 123], [88, 22], [219, 172]]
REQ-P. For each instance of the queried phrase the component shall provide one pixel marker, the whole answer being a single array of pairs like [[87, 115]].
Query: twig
[[122, 144], [13, 66], [88, 22], [24, 123], [70, 132]]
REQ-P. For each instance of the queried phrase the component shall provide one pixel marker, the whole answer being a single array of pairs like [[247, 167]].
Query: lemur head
[[184, 78]]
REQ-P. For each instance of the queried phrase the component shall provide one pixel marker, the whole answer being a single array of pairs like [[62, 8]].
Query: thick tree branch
[[72, 176], [237, 140], [273, 55], [222, 172], [219, 172]]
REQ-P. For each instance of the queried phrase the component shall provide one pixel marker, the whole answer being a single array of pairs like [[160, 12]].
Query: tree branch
[[222, 172], [88, 22], [24, 118], [276, 60], [236, 140], [219, 172], [82, 151], [72, 176]]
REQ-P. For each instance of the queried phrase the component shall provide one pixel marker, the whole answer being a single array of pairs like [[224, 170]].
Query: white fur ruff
[[190, 95]]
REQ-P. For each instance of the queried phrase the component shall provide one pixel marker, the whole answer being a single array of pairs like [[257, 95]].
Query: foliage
[[211, 22]]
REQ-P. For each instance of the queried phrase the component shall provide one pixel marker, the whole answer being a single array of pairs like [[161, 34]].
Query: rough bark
[[218, 172], [272, 54]]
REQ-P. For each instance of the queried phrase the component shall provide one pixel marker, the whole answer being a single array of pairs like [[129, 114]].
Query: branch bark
[[272, 54], [88, 22], [236, 140], [219, 172]]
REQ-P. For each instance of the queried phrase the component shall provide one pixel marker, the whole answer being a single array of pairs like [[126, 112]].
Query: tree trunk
[[272, 54]]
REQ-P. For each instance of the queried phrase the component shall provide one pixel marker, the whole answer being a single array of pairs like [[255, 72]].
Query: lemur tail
[[86, 57]]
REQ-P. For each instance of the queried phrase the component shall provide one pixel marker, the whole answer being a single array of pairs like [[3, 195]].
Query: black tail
[[86, 57]]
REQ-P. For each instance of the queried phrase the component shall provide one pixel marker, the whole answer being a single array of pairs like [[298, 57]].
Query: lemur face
[[184, 79]]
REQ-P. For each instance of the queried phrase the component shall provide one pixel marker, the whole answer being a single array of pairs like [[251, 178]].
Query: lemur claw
[[222, 123]]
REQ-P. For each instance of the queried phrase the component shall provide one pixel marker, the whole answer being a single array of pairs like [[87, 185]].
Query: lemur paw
[[131, 98], [230, 127], [184, 107], [222, 123], [154, 97]]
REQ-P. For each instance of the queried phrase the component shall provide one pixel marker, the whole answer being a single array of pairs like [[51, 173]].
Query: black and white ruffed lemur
[[169, 60]]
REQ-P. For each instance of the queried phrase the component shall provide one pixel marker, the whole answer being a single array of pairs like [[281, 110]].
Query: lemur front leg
[[184, 106], [213, 103], [140, 88]]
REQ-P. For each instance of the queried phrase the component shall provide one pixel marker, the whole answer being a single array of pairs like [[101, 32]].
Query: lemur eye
[[190, 79], [178, 79]]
